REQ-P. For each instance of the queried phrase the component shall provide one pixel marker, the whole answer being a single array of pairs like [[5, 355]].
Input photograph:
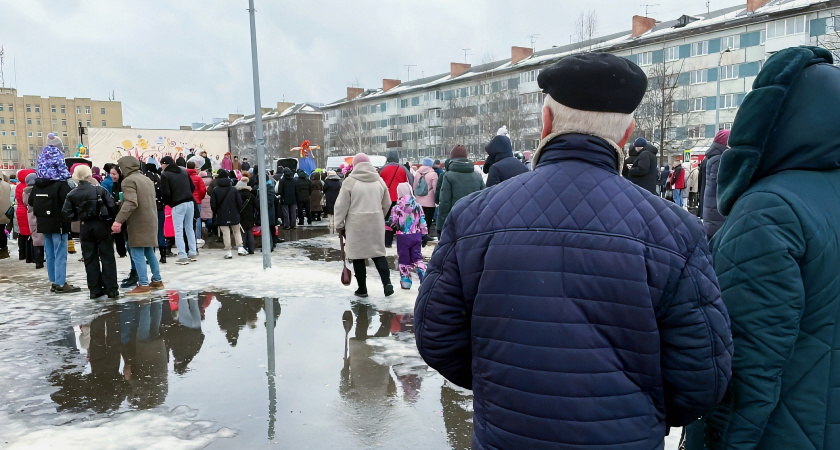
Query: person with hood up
[[139, 214], [177, 188], [317, 196], [227, 163], [459, 181], [643, 172], [303, 187], [776, 256], [47, 199], [5, 204], [332, 186], [393, 173], [583, 312], [287, 194], [93, 206], [198, 195], [664, 175], [247, 214], [226, 204], [503, 165], [425, 184], [712, 218], [24, 230], [360, 213], [96, 174], [35, 240], [409, 224]]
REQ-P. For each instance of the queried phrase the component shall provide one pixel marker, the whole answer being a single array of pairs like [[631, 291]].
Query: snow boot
[[405, 282], [389, 290], [421, 274], [130, 281]]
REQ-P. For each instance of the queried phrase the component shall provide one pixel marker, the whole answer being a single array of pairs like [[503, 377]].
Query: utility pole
[[260, 163], [408, 68], [465, 54]]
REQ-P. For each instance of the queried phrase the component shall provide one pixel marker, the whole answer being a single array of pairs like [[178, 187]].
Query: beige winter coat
[[360, 210], [5, 199], [693, 180], [139, 207]]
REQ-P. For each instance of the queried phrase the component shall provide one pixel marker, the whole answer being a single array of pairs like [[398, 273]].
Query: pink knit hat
[[722, 137], [360, 158]]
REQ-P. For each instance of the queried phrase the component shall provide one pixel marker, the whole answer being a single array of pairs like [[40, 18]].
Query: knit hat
[[360, 158], [640, 142], [219, 174], [167, 160], [54, 141], [722, 137], [428, 162], [436, 164], [459, 151], [51, 164], [404, 189]]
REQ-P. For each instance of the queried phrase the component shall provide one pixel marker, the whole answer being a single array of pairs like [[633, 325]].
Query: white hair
[[82, 173], [606, 125]]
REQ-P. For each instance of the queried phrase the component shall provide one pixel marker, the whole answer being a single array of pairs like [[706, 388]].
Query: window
[[55, 122], [28, 108], [53, 109], [64, 133], [37, 108], [78, 110], [1, 107], [787, 27], [10, 152], [13, 132], [30, 134], [726, 126], [64, 109], [40, 134], [728, 101], [645, 59], [64, 122], [38, 121], [11, 107], [528, 77], [697, 132], [415, 101], [11, 121], [87, 110], [731, 42], [672, 53], [697, 104], [29, 121], [102, 111], [700, 48], [404, 103], [2, 120], [3, 133], [88, 123], [729, 72], [103, 124], [698, 76]]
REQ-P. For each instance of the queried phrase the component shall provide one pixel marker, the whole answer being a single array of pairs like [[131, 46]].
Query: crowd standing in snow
[[597, 298]]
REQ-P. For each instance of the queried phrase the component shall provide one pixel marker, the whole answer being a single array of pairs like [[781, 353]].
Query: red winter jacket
[[677, 178], [20, 206], [393, 175], [200, 188]]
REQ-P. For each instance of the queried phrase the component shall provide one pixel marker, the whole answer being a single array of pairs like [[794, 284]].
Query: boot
[[67, 289], [389, 290], [421, 274], [163, 252], [405, 282], [4, 253], [362, 282], [132, 280]]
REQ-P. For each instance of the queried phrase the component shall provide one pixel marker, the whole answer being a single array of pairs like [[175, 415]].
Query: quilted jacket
[[580, 309], [777, 257], [712, 218]]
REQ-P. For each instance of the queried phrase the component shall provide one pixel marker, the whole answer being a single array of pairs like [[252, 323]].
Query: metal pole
[[717, 97], [272, 381], [260, 163]]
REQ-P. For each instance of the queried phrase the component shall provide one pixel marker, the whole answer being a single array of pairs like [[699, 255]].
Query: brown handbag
[[346, 276]]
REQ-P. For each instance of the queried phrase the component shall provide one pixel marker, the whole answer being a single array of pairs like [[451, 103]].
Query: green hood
[[128, 165], [788, 122], [462, 165]]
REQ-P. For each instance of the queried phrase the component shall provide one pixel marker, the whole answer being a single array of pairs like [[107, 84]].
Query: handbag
[[346, 276], [10, 213]]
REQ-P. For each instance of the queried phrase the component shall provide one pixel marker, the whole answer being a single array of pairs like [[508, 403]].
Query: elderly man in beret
[[581, 309]]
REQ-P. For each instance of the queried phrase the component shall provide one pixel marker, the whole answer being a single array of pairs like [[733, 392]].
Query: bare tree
[[831, 40], [658, 112], [586, 27], [352, 136]]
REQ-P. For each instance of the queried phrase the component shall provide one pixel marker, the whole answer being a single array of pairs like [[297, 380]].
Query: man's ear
[[547, 118], [627, 134]]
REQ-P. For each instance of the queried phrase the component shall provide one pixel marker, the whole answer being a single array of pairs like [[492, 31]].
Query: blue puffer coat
[[580, 309]]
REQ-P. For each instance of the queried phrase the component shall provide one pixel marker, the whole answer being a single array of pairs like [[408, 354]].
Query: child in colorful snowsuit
[[409, 223]]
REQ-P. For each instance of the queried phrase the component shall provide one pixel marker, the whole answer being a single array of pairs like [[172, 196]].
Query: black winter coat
[[225, 203], [303, 187], [176, 186], [629, 160], [645, 171], [47, 199], [287, 189], [504, 166], [331, 188], [250, 207], [712, 218], [85, 203]]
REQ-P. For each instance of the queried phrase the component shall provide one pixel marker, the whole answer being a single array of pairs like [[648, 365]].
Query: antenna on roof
[[647, 6], [466, 50], [2, 79], [408, 68], [533, 40], [708, 8]]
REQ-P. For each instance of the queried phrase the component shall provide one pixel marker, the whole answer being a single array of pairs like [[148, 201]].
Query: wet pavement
[[228, 356]]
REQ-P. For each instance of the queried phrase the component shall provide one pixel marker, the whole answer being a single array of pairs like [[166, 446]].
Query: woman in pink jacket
[[426, 174], [20, 215]]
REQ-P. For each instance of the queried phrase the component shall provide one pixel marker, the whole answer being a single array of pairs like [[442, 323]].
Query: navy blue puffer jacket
[[504, 166], [580, 309]]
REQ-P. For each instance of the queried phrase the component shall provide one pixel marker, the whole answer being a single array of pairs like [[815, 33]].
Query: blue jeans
[[161, 236], [139, 255], [182, 218], [678, 197], [55, 250]]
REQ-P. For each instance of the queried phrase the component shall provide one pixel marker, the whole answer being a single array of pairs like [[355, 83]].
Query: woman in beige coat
[[360, 212]]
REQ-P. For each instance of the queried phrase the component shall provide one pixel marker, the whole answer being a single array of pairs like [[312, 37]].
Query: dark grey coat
[[712, 218]]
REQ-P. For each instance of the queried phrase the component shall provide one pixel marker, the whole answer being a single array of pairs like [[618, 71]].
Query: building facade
[[688, 61], [25, 122]]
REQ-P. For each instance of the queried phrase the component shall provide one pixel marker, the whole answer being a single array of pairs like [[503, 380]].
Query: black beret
[[595, 82]]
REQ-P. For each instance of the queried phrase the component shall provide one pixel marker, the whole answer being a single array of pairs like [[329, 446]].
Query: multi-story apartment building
[[688, 60], [26, 120]]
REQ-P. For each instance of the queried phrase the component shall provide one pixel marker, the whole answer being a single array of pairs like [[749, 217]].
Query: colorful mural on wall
[[110, 144]]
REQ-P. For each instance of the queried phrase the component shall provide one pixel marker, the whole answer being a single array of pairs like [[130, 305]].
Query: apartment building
[[25, 122], [689, 60]]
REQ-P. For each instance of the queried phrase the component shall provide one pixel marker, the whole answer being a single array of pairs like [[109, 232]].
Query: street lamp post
[[717, 98]]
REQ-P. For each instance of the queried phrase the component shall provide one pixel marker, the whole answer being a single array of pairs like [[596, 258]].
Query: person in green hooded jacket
[[459, 181], [776, 257]]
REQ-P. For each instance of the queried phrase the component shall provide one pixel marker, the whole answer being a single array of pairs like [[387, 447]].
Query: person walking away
[[139, 214], [664, 176], [304, 193], [247, 214], [198, 195], [5, 204], [409, 223], [317, 197], [35, 241], [677, 182], [393, 173], [360, 212], [459, 181], [25, 251], [572, 303], [504, 165], [177, 189], [47, 199], [776, 257], [93, 207], [692, 183], [425, 184], [226, 203], [712, 218], [287, 194], [115, 176], [643, 173], [332, 186]]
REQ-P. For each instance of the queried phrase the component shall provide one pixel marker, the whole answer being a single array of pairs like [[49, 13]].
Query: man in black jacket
[[503, 166], [177, 188], [644, 172], [93, 206]]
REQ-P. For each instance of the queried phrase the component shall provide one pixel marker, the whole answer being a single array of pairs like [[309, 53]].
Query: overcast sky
[[175, 62]]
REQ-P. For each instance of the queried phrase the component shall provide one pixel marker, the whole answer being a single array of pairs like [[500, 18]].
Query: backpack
[[422, 188]]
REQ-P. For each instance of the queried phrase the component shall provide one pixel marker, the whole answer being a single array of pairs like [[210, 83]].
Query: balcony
[[393, 144]]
